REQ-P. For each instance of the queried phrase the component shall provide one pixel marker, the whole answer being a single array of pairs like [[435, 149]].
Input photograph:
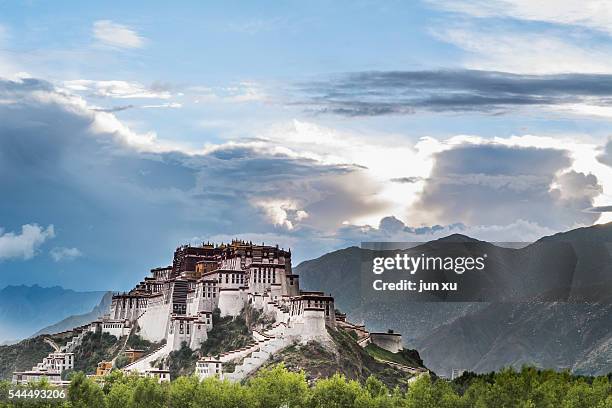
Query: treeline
[[277, 387]]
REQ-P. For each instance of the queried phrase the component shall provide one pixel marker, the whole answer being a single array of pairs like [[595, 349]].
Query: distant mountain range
[[24, 310], [71, 322], [562, 320]]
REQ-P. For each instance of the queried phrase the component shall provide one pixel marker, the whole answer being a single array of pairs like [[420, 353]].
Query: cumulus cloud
[[24, 244], [126, 199], [605, 156], [405, 92], [482, 184], [116, 192], [283, 213], [60, 254], [116, 35], [391, 229]]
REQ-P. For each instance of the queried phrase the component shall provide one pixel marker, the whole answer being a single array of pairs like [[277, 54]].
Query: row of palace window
[[298, 308], [235, 278], [208, 291], [138, 303], [268, 275]]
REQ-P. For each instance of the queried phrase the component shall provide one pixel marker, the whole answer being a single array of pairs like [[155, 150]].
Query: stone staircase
[[257, 358], [269, 342], [76, 340], [127, 338], [143, 364]]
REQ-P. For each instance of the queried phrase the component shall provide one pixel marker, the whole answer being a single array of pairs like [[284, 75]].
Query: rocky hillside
[[94, 348], [483, 336], [547, 335], [348, 358], [27, 353], [316, 360]]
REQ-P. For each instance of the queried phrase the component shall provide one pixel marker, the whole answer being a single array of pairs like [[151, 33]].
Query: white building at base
[[51, 367]]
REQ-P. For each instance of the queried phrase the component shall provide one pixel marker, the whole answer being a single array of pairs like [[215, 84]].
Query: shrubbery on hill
[[27, 353], [228, 333], [278, 387], [95, 347]]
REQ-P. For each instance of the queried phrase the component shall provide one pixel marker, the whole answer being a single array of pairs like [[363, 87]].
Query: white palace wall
[[389, 341], [231, 301], [309, 325], [154, 322]]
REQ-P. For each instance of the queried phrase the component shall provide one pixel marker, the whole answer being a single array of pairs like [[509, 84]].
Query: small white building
[[116, 327], [25, 377], [209, 367], [57, 361], [50, 368], [161, 375]]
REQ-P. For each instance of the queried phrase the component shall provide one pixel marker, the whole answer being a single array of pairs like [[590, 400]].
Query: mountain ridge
[[73, 321], [26, 309], [483, 336]]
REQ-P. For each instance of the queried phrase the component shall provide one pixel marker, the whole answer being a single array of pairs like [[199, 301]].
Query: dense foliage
[[228, 333], [138, 343], [406, 357], [278, 387], [95, 347], [182, 362]]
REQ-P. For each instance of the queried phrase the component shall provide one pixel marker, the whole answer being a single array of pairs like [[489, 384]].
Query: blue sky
[[128, 128]]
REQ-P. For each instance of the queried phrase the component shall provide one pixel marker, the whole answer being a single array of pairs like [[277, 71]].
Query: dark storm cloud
[[404, 92], [494, 184], [600, 209], [113, 108], [125, 207], [406, 180]]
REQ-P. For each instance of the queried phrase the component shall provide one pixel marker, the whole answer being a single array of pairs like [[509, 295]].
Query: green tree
[[337, 392], [182, 391], [423, 393], [420, 393], [119, 396], [84, 393], [214, 393], [114, 377], [277, 387], [375, 387], [148, 393]]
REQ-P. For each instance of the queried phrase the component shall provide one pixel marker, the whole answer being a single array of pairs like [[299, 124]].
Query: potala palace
[[173, 306]]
